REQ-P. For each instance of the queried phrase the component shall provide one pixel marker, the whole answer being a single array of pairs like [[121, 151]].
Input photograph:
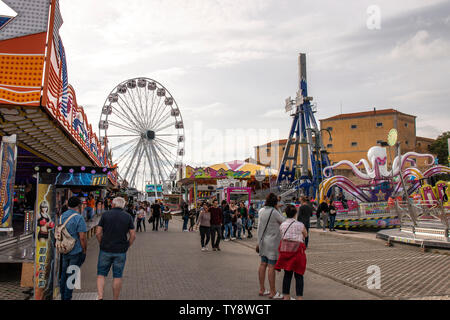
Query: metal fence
[[423, 218]]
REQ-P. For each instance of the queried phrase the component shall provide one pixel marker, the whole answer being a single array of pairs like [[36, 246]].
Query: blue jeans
[[228, 230], [239, 230], [89, 212], [244, 225], [107, 259], [185, 223], [67, 261], [166, 224], [332, 221]]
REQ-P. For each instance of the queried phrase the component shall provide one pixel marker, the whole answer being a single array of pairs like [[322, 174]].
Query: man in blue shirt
[[77, 229]]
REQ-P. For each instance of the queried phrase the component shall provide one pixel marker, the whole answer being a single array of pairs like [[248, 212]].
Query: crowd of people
[[228, 221], [282, 235], [158, 215]]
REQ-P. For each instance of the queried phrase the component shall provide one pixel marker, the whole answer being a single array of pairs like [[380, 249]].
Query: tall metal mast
[[304, 126]]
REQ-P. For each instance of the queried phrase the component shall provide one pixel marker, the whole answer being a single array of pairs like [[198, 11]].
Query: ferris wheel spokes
[[151, 164], [138, 122], [165, 127], [131, 160], [126, 115], [143, 125], [124, 144]]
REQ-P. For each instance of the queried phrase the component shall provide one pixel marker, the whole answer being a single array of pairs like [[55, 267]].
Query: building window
[[354, 144], [406, 125], [354, 126], [406, 142], [330, 128], [329, 146], [379, 124]]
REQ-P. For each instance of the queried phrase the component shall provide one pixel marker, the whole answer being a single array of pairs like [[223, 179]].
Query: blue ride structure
[[304, 148]]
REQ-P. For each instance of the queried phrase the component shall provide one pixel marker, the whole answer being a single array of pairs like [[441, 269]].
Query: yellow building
[[271, 154], [353, 135]]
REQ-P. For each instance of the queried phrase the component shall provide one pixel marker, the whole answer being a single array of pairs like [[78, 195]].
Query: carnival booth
[[44, 133], [225, 181]]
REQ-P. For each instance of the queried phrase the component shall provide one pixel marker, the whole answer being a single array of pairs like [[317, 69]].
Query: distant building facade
[[353, 134]]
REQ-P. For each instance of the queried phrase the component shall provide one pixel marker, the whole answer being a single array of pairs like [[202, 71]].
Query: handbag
[[262, 236], [151, 219]]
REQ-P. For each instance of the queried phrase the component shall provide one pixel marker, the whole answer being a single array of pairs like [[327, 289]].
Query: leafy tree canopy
[[440, 148]]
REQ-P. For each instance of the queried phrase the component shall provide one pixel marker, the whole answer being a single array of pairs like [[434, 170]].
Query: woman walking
[[227, 222], [140, 219], [269, 237], [244, 216], [292, 257], [251, 220], [234, 213], [167, 216], [204, 220]]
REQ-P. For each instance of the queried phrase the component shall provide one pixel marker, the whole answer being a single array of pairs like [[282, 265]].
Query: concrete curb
[[346, 236]]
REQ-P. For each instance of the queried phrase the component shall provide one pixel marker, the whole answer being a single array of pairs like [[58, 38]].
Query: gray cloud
[[231, 64]]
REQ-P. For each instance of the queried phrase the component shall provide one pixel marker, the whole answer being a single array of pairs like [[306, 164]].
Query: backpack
[[64, 240]]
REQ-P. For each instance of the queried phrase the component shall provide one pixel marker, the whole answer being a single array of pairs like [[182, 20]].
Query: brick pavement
[[170, 265]]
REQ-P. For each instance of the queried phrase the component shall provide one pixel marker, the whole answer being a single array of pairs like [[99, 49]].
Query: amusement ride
[[143, 125]]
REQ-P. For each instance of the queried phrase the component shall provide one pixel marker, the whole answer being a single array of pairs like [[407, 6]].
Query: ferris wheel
[[144, 130]]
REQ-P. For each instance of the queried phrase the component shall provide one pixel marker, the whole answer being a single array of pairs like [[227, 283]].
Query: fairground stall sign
[[37, 103]]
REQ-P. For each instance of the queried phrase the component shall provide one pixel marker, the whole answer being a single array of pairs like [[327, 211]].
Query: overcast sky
[[231, 64]]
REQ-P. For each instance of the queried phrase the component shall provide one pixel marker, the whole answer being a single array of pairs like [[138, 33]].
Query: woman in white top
[[269, 237], [140, 219], [292, 257]]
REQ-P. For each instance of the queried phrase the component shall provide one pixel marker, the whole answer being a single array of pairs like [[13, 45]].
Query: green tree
[[440, 148]]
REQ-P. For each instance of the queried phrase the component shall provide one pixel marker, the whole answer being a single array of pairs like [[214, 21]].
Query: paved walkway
[[170, 265]]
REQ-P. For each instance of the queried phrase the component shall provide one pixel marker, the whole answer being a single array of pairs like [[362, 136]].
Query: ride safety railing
[[421, 215]]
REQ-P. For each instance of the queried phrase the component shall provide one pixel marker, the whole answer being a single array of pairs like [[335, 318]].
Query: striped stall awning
[[39, 134]]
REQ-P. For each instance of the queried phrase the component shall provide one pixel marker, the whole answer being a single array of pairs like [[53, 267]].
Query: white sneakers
[[226, 240], [204, 249], [233, 239]]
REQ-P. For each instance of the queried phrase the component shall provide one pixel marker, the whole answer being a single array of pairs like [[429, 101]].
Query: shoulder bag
[[262, 236]]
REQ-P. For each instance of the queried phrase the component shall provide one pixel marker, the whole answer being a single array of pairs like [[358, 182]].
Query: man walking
[[156, 212], [322, 213], [304, 215], [76, 226], [185, 215], [216, 225], [112, 234]]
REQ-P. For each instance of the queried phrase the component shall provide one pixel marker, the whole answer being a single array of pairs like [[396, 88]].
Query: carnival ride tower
[[305, 139]]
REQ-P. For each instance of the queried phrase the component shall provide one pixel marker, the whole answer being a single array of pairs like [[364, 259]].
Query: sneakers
[[244, 236], [204, 249], [214, 249], [226, 240], [218, 249], [232, 239]]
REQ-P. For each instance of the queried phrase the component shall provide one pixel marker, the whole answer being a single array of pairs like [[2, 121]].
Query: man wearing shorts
[[112, 234]]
